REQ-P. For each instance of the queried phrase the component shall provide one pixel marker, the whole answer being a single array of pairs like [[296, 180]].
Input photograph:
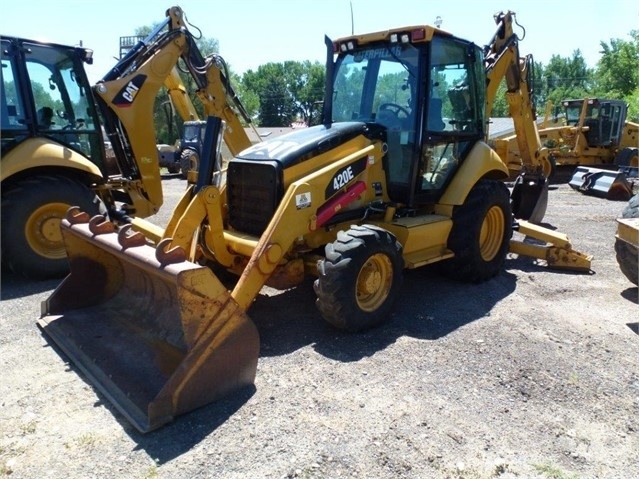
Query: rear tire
[[32, 209], [482, 228], [627, 259], [360, 278]]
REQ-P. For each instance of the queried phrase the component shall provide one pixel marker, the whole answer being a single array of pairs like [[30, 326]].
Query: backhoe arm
[[180, 98], [503, 62], [127, 94], [216, 103]]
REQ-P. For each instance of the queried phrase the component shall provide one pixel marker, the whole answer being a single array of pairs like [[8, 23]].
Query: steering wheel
[[395, 109]]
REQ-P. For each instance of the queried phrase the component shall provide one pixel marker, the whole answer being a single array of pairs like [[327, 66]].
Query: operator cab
[[426, 95], [604, 119], [45, 93]]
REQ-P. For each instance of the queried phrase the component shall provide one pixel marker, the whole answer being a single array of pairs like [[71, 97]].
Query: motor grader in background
[[596, 137], [397, 176]]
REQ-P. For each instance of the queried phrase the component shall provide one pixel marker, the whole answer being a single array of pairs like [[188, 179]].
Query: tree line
[[278, 94]]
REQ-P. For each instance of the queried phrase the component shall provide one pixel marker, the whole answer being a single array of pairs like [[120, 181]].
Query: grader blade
[[607, 184], [158, 336]]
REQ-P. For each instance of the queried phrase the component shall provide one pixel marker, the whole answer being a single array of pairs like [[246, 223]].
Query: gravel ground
[[534, 374]]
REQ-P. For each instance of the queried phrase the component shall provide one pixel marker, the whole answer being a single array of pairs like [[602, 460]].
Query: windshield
[[376, 85], [573, 112]]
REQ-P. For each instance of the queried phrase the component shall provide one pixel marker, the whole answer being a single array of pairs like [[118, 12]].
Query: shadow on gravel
[[171, 176], [177, 437], [631, 294], [562, 174], [13, 286], [429, 308], [186, 431]]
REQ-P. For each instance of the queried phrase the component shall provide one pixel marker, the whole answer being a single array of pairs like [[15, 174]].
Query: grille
[[253, 193]]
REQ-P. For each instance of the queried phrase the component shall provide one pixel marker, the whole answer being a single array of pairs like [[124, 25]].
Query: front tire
[[189, 160], [481, 232], [32, 209], [360, 278]]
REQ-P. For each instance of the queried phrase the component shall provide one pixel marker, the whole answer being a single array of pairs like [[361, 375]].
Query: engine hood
[[300, 145]]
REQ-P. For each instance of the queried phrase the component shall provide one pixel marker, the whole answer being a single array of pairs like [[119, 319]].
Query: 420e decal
[[344, 176]]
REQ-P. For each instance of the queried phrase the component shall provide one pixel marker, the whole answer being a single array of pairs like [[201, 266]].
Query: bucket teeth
[[98, 225], [165, 256], [130, 239], [76, 216]]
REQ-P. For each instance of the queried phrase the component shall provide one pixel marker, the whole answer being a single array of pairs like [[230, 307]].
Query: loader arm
[[266, 252]]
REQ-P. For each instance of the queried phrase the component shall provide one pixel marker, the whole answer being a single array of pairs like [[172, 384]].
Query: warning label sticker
[[303, 200]]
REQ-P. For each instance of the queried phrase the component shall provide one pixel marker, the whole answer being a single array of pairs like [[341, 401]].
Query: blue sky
[[253, 32]]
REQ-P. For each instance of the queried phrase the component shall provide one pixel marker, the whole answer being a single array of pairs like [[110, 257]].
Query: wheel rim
[[492, 232], [194, 162], [42, 230], [374, 282]]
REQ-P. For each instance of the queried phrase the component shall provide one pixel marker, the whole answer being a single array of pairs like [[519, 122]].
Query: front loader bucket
[[610, 185], [157, 339]]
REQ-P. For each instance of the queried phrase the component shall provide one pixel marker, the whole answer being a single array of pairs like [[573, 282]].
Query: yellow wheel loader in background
[[397, 176]]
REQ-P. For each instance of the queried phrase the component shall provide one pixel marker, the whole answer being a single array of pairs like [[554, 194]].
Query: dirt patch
[[533, 374]]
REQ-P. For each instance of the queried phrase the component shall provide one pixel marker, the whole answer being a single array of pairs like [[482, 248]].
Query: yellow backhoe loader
[[52, 151], [396, 176]]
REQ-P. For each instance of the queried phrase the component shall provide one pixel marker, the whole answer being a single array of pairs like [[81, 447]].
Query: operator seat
[[45, 117]]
